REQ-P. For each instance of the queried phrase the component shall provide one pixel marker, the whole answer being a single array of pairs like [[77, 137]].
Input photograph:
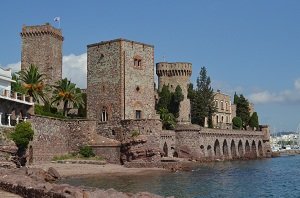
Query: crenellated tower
[[42, 46], [174, 74]]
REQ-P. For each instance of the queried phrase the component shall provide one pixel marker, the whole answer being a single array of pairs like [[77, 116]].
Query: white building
[[14, 107]]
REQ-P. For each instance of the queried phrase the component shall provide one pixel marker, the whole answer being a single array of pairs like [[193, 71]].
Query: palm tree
[[16, 86], [33, 82], [67, 92]]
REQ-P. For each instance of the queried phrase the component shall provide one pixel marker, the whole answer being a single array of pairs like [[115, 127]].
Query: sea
[[272, 177]]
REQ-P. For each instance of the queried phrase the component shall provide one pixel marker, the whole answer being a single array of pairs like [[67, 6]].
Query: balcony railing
[[15, 96]]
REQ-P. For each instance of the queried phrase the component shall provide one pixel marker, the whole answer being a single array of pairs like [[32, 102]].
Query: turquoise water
[[276, 177]]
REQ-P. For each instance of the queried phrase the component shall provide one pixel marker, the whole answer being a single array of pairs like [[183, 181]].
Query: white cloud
[[15, 67], [286, 96], [297, 84], [74, 68]]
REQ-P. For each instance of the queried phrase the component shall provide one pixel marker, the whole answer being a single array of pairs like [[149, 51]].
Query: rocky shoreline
[[37, 183]]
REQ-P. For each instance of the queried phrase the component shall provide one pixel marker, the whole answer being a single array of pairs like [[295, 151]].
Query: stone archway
[[253, 150], [209, 151], [217, 148], [225, 149], [165, 149], [233, 150], [260, 149], [240, 149], [202, 151], [247, 149]]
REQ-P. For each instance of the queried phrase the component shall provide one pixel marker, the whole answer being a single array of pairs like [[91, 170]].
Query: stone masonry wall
[[139, 80], [58, 137], [51, 138], [42, 46], [211, 143], [104, 81]]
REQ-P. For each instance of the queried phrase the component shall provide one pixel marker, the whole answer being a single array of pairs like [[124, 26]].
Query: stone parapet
[[38, 30]]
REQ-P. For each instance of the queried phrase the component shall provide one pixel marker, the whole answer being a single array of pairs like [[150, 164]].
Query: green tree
[[22, 135], [82, 108], [202, 99], [176, 98], [33, 83], [237, 123], [242, 110], [253, 122], [65, 91], [168, 119], [235, 98], [165, 97]]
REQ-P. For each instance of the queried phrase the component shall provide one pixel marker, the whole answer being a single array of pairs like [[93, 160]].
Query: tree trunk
[[66, 108]]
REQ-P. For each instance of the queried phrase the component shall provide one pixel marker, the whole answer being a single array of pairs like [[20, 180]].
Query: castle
[[121, 105]]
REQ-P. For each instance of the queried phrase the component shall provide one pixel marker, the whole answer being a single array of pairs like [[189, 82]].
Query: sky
[[251, 47]]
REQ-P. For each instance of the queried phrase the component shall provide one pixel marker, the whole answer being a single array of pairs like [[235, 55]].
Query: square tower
[[42, 46], [120, 81]]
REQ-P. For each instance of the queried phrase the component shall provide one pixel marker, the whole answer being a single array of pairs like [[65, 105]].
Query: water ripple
[[277, 177]]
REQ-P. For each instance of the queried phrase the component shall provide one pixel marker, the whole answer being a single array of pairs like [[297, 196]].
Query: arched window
[[217, 104], [222, 105], [137, 61], [104, 115]]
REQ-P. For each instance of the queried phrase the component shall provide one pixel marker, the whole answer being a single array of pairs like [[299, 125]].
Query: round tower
[[174, 74]]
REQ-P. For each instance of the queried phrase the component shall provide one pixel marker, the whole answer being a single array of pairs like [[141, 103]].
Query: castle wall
[[42, 46], [139, 80], [54, 137], [104, 82]]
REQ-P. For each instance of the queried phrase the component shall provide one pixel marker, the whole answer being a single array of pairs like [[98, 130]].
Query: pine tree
[[176, 98], [235, 98], [165, 97], [253, 122], [242, 110], [202, 99]]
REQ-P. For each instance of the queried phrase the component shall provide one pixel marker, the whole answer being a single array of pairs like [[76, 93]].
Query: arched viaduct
[[215, 144]]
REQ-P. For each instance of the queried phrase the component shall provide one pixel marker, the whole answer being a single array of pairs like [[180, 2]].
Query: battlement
[[174, 69], [40, 30], [119, 40]]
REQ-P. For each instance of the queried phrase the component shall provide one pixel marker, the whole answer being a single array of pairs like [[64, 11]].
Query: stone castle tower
[[120, 81], [174, 74], [42, 46]]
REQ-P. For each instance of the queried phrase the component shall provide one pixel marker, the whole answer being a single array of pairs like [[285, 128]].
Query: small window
[[113, 132], [217, 104], [104, 115], [222, 105], [138, 114], [137, 62]]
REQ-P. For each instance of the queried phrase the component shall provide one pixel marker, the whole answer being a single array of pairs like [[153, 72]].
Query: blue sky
[[248, 46]]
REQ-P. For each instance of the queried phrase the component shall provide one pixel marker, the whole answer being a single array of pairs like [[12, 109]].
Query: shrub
[[86, 151], [237, 123], [135, 133], [22, 135], [47, 111]]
